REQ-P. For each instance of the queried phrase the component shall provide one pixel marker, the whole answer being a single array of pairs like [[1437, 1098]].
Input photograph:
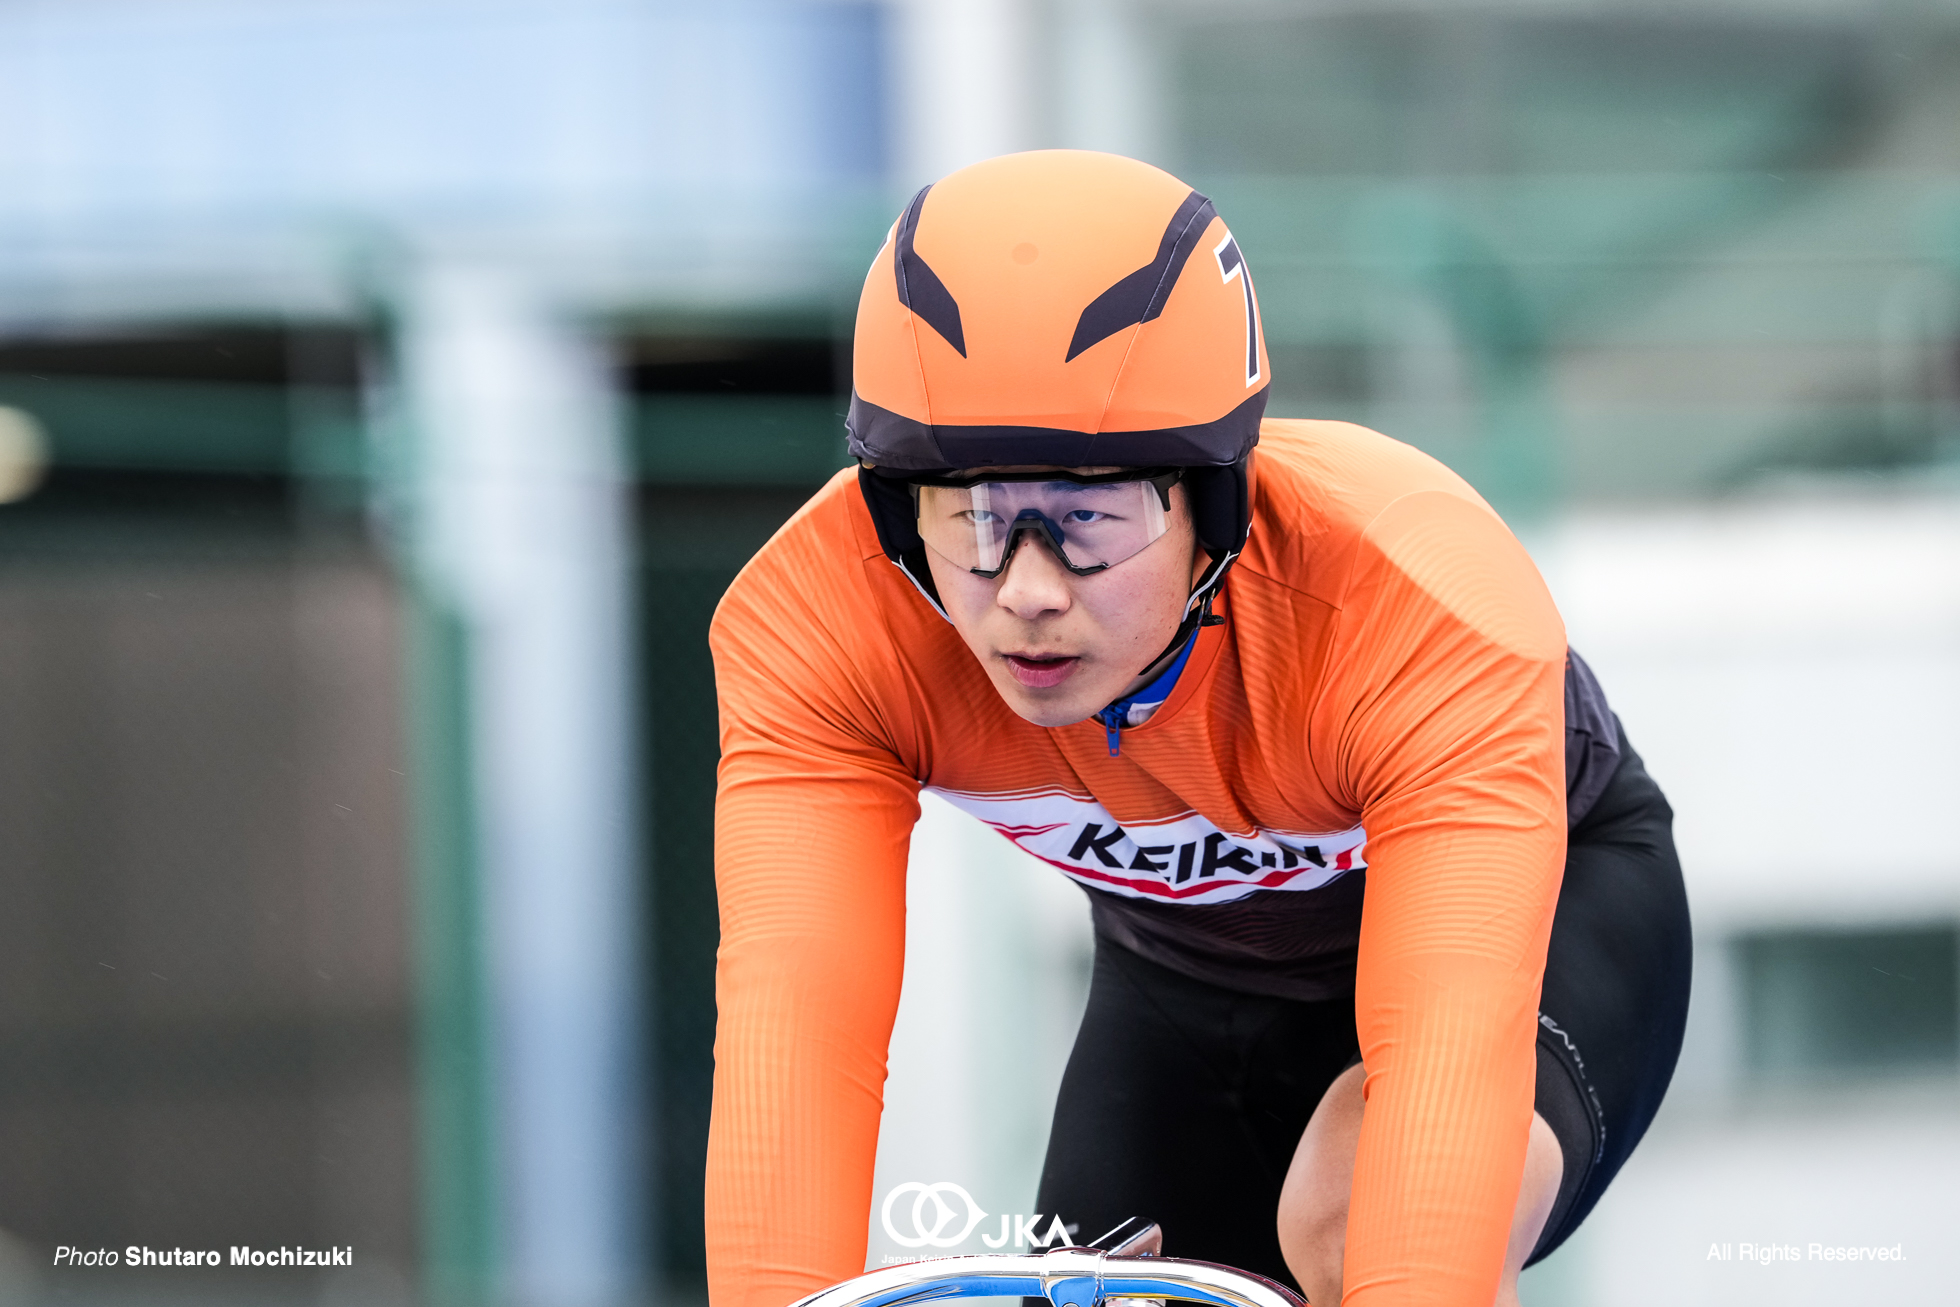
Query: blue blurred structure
[[221, 157]]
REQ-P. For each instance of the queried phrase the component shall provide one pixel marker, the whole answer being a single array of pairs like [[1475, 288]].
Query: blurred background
[[388, 391]]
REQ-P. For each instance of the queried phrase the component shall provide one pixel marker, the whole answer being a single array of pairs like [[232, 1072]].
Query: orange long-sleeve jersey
[[1386, 690]]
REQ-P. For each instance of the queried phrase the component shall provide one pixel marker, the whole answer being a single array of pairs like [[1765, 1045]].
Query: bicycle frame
[[1066, 1277]]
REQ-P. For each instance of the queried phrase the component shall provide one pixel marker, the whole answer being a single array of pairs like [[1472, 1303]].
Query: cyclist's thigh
[[1183, 1103], [1615, 997]]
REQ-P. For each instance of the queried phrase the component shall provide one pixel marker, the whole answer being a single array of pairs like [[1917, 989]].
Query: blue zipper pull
[[1110, 720]]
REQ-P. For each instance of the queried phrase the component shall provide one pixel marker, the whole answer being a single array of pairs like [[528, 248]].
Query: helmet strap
[[1197, 610], [919, 572]]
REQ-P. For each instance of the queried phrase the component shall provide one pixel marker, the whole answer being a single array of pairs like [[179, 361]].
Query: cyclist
[[1391, 942]]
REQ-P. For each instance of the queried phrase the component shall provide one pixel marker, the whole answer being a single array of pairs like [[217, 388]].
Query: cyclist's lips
[[1041, 672]]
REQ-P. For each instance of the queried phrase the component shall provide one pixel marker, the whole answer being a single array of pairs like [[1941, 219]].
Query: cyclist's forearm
[[799, 1077], [1464, 873], [810, 872], [1443, 1137]]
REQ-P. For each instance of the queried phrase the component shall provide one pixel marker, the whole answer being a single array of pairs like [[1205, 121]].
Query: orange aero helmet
[[1059, 307]]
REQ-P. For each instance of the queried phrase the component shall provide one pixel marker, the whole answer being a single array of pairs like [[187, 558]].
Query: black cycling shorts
[[1183, 1101]]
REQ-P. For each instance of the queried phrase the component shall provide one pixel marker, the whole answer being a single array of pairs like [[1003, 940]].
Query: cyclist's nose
[[1034, 582]]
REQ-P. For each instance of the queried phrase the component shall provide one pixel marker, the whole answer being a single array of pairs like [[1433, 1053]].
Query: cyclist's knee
[[1314, 1244], [1313, 1208]]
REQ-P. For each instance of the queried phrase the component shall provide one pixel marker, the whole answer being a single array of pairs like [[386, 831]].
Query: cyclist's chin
[[1048, 713], [1050, 692]]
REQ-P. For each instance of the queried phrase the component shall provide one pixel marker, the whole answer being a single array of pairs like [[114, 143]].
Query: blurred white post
[[1109, 83], [523, 528], [962, 84]]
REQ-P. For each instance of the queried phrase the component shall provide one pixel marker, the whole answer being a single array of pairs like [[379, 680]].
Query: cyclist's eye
[[977, 516], [1084, 516]]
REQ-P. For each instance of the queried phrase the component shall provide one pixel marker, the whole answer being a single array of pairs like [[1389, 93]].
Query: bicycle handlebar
[[1066, 1277]]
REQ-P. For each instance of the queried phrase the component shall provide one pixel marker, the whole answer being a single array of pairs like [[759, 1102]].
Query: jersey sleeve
[[1447, 715], [812, 821]]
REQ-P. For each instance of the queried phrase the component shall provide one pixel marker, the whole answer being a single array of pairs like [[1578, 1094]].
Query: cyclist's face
[[1058, 646]]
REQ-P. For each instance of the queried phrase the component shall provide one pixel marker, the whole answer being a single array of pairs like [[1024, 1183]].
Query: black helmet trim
[[919, 287], [891, 440], [1140, 297]]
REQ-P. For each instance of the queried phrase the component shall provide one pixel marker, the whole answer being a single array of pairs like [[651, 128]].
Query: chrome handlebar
[[1066, 1277]]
